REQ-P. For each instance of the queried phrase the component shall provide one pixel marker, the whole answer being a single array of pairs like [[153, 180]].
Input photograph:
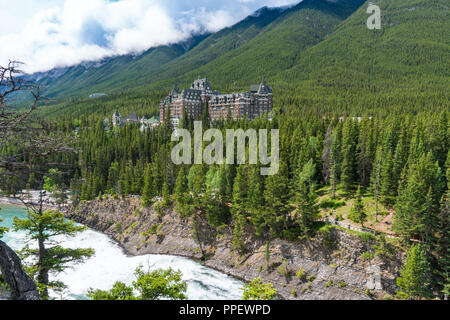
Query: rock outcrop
[[328, 267], [21, 285]]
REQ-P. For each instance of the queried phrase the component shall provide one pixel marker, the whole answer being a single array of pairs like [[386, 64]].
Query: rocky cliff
[[329, 266], [21, 285]]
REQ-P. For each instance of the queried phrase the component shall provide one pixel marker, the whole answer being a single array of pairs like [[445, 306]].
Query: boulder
[[21, 285]]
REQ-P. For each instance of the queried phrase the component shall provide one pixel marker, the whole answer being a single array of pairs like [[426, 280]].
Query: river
[[110, 264]]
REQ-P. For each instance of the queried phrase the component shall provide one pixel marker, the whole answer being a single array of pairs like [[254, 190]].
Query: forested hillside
[[326, 69], [311, 54]]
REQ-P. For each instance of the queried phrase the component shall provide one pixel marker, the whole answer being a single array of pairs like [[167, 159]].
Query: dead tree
[[33, 143]]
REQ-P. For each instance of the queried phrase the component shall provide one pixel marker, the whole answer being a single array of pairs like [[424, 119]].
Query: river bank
[[330, 267], [111, 263], [33, 196]]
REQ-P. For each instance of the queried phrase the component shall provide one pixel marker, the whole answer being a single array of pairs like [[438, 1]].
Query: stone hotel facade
[[249, 105]]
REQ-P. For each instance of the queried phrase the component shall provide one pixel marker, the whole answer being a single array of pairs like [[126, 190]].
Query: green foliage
[[283, 269], [267, 252], [154, 285], [331, 204], [353, 106], [301, 275], [43, 227], [258, 290], [414, 279], [366, 236], [3, 229], [357, 212], [417, 207], [119, 291], [305, 198], [160, 284], [328, 240], [367, 255], [329, 283]]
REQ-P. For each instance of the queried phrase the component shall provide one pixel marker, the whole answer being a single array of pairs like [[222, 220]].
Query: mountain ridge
[[314, 53]]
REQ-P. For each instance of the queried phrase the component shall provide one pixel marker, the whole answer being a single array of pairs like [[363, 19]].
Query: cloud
[[57, 33]]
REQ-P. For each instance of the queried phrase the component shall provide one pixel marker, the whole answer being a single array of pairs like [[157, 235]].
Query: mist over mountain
[[312, 46]]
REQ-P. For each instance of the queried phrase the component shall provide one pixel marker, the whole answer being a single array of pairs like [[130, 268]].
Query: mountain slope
[[278, 45], [413, 45], [319, 54], [127, 71], [119, 72]]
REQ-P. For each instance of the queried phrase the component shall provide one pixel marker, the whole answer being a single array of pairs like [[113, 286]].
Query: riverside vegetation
[[360, 113]]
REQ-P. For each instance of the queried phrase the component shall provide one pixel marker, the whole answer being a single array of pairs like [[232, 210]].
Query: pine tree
[[307, 212], [387, 181], [357, 212], [414, 277], [255, 202], [376, 180], [349, 162], [417, 204], [181, 185], [50, 257], [238, 233], [443, 244], [148, 192], [165, 195], [277, 195], [326, 155], [240, 191]]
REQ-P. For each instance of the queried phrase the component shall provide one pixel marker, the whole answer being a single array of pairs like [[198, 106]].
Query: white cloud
[[55, 33]]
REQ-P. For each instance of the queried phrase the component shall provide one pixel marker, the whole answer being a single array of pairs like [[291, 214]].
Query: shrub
[[367, 255], [258, 290], [301, 274], [328, 240], [267, 252], [342, 284], [331, 204], [366, 236], [283, 268], [311, 278], [118, 227]]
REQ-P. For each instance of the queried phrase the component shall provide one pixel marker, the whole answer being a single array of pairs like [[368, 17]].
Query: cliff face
[[328, 267], [22, 286]]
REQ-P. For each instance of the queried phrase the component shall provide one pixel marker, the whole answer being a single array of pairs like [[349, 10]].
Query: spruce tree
[[44, 227], [417, 205], [376, 180], [255, 202], [357, 212], [307, 212], [443, 244], [181, 185], [166, 201], [148, 192], [387, 179], [277, 196], [349, 154], [414, 279]]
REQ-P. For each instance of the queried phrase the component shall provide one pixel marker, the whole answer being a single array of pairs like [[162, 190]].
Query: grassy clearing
[[340, 207]]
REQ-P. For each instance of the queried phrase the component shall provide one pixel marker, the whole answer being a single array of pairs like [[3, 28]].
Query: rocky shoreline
[[329, 267]]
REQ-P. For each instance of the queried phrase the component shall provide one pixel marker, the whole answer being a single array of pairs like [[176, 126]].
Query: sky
[[45, 34]]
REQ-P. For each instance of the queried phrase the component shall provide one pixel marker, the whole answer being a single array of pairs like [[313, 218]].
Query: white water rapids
[[111, 264]]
